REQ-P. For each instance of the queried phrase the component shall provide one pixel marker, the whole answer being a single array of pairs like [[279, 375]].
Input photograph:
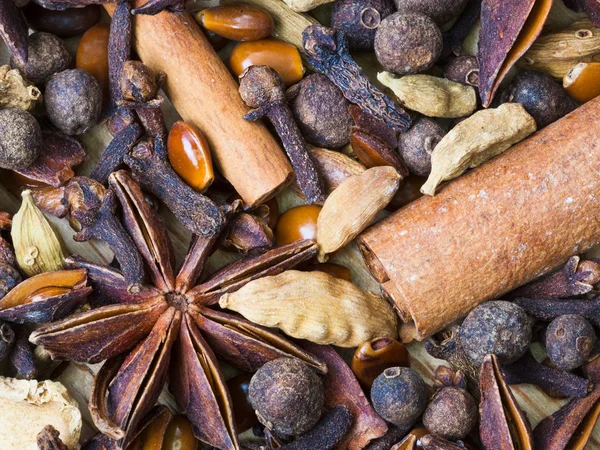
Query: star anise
[[169, 325]]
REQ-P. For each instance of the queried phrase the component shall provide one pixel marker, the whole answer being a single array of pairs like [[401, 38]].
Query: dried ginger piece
[[16, 91], [485, 134], [30, 405]]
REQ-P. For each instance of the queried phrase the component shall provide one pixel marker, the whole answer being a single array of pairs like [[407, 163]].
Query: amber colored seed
[[237, 22], [92, 54], [582, 82], [371, 151], [280, 56], [244, 415], [335, 270], [189, 155], [179, 435], [297, 223], [373, 357], [45, 293], [419, 433]]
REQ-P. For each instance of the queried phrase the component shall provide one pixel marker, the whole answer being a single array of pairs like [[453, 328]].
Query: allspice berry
[[48, 55], [451, 413], [463, 69], [569, 341], [497, 327], [20, 139], [321, 111], [73, 101], [416, 145], [399, 395], [287, 396], [441, 11], [408, 43]]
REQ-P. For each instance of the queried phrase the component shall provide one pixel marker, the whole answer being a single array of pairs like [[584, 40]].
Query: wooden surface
[[78, 377]]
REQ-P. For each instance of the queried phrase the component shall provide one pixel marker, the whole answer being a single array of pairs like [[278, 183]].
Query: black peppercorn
[[287, 396], [569, 341], [359, 19], [451, 413], [47, 55], [442, 11], [321, 111], [415, 146], [399, 395], [73, 101], [497, 327], [20, 139], [408, 43], [541, 96]]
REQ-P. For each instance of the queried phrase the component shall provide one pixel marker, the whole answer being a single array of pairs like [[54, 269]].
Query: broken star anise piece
[[169, 328]]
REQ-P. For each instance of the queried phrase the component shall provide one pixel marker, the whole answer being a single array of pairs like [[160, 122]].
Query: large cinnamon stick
[[205, 94], [495, 228]]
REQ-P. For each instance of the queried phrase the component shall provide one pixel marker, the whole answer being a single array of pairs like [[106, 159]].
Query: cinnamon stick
[[206, 95], [495, 228]]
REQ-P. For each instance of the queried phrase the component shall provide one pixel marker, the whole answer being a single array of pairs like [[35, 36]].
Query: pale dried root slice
[[485, 134], [353, 206], [315, 306], [31, 405]]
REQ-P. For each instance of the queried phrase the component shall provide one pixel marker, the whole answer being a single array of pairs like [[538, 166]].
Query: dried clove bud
[[442, 11], [327, 51], [461, 149], [569, 341], [20, 139], [417, 144], [138, 83], [47, 55], [549, 309], [496, 327], [431, 96], [321, 111], [407, 43], [16, 91], [262, 88]]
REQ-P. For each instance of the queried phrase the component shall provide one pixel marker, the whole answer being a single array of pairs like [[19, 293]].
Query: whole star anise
[[170, 326]]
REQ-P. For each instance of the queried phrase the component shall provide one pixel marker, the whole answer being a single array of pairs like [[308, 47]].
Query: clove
[[327, 51], [262, 88], [119, 51], [153, 7], [548, 309], [150, 166], [13, 31], [528, 370]]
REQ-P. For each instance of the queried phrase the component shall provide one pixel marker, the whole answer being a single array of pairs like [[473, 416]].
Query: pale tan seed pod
[[314, 306], [38, 247], [16, 91]]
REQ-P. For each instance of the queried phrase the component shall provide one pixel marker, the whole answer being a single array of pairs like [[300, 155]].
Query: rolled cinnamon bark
[[205, 94], [495, 228]]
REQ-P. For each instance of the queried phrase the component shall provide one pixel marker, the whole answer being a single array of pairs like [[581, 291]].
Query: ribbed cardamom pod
[[38, 247]]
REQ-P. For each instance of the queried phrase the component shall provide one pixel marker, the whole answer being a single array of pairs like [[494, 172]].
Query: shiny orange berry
[[179, 435], [373, 357], [45, 293], [237, 22], [297, 223], [92, 54], [189, 155]]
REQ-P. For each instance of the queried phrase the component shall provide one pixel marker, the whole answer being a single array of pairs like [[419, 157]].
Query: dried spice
[[287, 396], [321, 111], [555, 53], [353, 206], [527, 370], [38, 247], [463, 69], [169, 324], [16, 91], [59, 153], [372, 357], [575, 278], [541, 96], [305, 5], [344, 316], [569, 341], [387, 441], [334, 167], [549, 309], [370, 124], [407, 43], [416, 145], [431, 442], [399, 395], [261, 88], [47, 55], [503, 423], [297, 223], [153, 7], [73, 101], [20, 139], [64, 24], [373, 151], [359, 21], [508, 29], [431, 96], [582, 82], [327, 51], [454, 37], [247, 233], [237, 22], [92, 54], [460, 149], [442, 11], [13, 30], [49, 439]]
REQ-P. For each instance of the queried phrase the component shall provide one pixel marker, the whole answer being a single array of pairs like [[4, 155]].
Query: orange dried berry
[[46, 293], [278, 55], [179, 435], [582, 82], [297, 223], [189, 155], [237, 22], [92, 54], [373, 357]]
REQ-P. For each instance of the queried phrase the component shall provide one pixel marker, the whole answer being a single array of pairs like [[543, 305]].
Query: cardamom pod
[[314, 306], [16, 91], [485, 134], [353, 206], [431, 96], [38, 247]]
